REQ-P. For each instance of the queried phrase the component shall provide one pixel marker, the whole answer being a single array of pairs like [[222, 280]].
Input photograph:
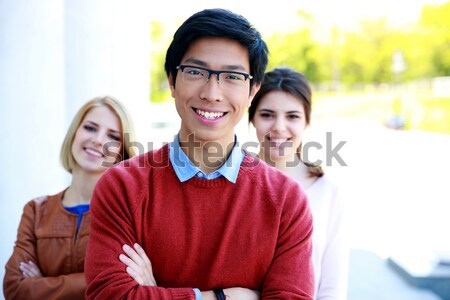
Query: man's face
[[211, 109]]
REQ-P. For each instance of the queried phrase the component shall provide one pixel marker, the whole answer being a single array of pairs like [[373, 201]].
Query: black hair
[[218, 23]]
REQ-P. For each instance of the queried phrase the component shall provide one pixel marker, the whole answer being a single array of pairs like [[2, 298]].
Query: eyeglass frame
[[182, 67]]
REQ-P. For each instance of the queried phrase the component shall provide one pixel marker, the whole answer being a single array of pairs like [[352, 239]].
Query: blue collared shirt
[[185, 169]]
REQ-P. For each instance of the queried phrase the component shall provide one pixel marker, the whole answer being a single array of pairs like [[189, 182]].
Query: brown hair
[[292, 82]]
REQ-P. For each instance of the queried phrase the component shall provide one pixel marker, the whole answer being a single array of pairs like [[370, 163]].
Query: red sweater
[[202, 234]]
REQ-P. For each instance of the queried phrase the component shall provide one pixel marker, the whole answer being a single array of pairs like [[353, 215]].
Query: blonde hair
[[127, 128]]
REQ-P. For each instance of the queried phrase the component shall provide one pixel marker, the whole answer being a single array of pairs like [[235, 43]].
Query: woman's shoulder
[[42, 200], [42, 205], [326, 181], [39, 200], [323, 190]]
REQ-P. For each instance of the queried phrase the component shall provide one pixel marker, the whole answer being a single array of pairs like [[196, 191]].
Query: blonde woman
[[48, 257], [280, 112]]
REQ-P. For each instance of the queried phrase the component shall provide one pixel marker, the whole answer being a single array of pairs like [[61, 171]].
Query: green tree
[[367, 54], [435, 20], [160, 91], [294, 49]]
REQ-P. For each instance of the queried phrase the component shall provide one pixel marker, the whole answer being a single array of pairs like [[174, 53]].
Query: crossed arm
[[30, 269], [139, 267], [118, 218]]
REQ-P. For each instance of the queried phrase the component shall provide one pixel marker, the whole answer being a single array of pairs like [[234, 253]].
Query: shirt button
[[199, 174]]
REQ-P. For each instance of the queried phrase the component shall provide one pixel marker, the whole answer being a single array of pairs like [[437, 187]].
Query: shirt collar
[[185, 169]]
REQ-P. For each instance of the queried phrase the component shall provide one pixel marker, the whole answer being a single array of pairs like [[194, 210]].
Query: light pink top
[[330, 247]]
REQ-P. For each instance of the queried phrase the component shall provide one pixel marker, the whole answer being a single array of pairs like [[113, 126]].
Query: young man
[[208, 215]]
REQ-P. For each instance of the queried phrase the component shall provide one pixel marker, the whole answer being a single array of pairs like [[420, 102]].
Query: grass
[[420, 111], [435, 115]]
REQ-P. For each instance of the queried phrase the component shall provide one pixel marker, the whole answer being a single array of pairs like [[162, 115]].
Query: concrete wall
[[54, 56]]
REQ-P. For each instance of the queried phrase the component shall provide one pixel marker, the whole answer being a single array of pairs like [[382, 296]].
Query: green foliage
[[436, 21], [366, 55], [437, 17], [295, 49], [419, 111], [158, 80], [350, 58], [435, 115]]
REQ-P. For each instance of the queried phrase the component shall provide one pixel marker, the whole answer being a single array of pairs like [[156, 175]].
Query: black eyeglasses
[[202, 75]]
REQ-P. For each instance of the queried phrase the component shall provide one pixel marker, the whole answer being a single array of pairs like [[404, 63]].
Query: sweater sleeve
[[334, 275], [112, 226], [291, 274], [15, 286]]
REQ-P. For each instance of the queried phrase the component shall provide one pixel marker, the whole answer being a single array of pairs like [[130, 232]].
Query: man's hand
[[139, 266], [238, 293], [235, 293]]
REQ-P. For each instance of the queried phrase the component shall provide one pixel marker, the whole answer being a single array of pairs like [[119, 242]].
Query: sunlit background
[[380, 72]]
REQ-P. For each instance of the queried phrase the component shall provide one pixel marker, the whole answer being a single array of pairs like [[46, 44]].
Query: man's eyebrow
[[234, 67], [196, 62], [205, 65]]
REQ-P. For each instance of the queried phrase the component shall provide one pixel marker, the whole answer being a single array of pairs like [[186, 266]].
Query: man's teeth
[[95, 153], [209, 115]]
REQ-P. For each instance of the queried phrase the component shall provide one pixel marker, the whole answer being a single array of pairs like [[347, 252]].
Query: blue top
[[79, 210], [185, 169]]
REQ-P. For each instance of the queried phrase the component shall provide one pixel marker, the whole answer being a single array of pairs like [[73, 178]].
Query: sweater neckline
[[247, 164]]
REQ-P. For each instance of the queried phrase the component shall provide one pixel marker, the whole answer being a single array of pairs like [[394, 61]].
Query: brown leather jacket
[[48, 236]]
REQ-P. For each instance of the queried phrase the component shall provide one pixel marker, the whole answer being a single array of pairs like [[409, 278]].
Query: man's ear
[[253, 91], [171, 85]]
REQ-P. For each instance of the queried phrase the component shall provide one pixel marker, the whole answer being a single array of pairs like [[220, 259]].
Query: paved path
[[398, 196], [371, 278]]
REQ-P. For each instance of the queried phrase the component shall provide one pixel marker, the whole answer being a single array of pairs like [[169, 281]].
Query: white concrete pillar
[[54, 56], [31, 110], [107, 45]]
